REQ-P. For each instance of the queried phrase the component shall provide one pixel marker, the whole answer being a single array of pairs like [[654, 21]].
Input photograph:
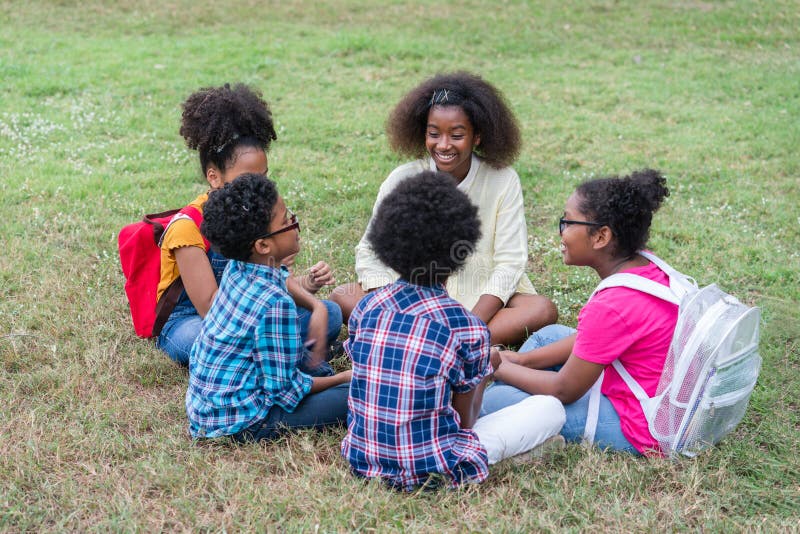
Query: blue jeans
[[608, 434], [316, 410], [183, 327]]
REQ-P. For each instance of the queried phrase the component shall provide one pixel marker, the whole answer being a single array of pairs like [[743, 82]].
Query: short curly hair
[[626, 205], [425, 228], [218, 120], [483, 104], [237, 213]]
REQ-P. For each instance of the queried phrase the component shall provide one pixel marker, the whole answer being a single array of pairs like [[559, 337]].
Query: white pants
[[520, 427]]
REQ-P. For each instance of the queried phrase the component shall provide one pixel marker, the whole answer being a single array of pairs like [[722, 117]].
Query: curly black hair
[[626, 205], [237, 213], [425, 229], [485, 106], [218, 120]]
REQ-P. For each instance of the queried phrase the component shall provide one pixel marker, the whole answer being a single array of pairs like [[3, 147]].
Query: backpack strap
[[639, 283], [167, 302], [638, 391], [593, 412], [679, 283], [188, 212], [169, 299]]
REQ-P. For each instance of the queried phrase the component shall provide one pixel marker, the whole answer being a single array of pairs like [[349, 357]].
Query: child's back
[[228, 390], [413, 346]]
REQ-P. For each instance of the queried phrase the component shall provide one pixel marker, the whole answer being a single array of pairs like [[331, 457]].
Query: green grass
[[92, 425]]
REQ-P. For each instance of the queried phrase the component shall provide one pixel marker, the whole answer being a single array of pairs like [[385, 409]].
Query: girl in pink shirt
[[605, 223]]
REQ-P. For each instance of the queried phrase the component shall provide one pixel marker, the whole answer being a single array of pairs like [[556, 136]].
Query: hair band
[[445, 97]]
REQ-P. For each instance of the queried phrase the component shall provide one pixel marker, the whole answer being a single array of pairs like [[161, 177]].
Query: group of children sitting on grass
[[441, 287]]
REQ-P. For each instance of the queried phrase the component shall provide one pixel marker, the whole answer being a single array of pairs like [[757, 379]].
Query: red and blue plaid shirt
[[412, 347]]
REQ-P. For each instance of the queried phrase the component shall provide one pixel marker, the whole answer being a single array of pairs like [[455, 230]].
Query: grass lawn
[[92, 425]]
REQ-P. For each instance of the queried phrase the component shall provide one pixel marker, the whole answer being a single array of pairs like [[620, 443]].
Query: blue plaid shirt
[[412, 347], [245, 359]]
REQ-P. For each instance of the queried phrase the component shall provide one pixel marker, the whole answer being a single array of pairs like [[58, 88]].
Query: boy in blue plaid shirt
[[244, 379], [421, 360]]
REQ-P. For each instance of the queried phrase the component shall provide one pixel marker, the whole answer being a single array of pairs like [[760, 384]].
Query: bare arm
[[318, 324], [197, 276], [550, 355], [468, 405], [568, 384], [324, 382]]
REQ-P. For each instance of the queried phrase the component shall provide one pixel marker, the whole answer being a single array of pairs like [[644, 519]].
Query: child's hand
[[319, 276], [509, 356], [498, 357], [494, 357]]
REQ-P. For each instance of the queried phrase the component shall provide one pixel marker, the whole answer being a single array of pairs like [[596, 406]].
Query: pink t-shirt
[[619, 322]]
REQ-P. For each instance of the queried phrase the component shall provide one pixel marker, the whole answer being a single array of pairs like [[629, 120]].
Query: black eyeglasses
[[293, 223], [563, 223]]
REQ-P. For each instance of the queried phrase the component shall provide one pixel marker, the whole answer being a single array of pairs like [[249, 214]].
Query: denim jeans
[[608, 434], [316, 410]]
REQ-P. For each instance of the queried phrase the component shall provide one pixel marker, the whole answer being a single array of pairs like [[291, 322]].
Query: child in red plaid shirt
[[421, 360]]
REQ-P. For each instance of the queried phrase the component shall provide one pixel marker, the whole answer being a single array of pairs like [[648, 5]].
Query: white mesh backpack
[[710, 370]]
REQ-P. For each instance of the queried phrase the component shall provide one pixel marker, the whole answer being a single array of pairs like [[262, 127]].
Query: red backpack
[[140, 256]]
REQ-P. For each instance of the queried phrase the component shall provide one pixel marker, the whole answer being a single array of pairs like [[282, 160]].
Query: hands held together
[[499, 355]]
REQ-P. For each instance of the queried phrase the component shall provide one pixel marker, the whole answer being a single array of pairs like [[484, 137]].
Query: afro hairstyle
[[626, 205], [218, 120], [483, 104], [235, 215], [425, 229]]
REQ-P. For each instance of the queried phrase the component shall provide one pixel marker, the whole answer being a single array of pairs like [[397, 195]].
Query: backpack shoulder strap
[[189, 212], [639, 283], [664, 266], [197, 217], [637, 389], [193, 214], [679, 283]]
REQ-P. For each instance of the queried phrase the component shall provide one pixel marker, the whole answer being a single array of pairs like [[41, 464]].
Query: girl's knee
[[544, 310], [533, 311]]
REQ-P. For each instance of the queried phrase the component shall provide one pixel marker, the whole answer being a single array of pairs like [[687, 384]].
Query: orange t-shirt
[[181, 232]]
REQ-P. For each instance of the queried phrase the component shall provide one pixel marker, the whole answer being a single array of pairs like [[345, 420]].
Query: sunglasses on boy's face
[[293, 223], [563, 223]]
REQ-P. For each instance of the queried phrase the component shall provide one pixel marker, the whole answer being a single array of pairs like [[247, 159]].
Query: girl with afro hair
[[605, 225], [231, 129], [461, 125]]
